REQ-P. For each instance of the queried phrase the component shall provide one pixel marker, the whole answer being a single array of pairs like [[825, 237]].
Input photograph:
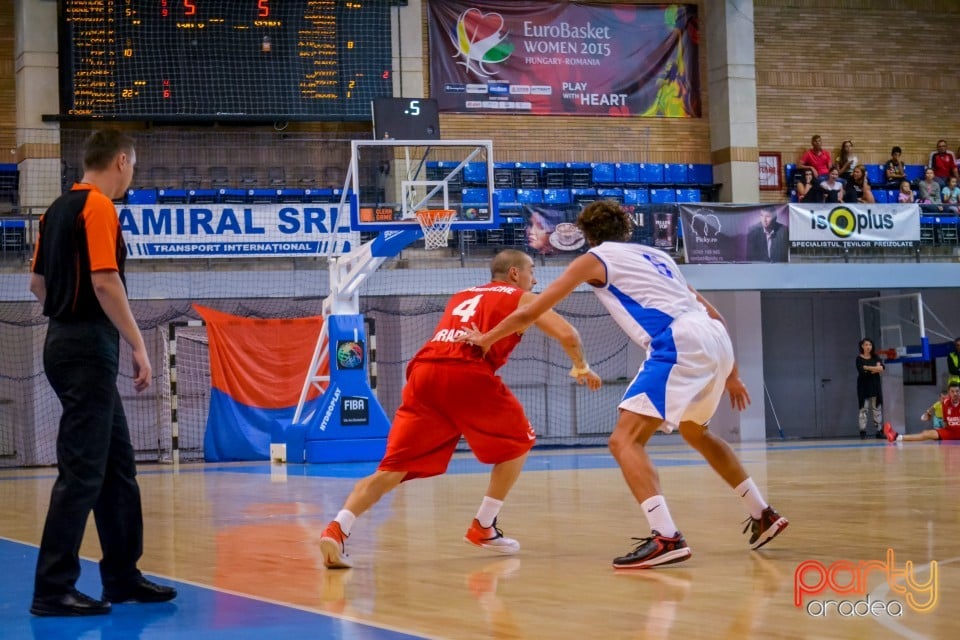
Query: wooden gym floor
[[240, 543]]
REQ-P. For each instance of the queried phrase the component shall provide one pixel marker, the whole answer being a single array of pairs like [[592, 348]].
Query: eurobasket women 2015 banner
[[525, 56]]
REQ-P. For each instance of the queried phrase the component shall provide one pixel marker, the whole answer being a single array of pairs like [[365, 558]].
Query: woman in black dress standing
[[869, 391]]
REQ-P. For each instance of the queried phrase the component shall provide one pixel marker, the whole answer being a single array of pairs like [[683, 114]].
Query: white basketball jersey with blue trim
[[645, 290]]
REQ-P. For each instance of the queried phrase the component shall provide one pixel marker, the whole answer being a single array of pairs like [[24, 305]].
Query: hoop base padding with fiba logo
[[436, 226]]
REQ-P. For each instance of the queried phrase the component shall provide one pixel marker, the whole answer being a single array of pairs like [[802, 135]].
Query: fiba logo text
[[813, 582]]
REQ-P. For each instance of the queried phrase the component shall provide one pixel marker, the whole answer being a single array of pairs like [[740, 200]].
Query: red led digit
[[263, 8], [189, 7]]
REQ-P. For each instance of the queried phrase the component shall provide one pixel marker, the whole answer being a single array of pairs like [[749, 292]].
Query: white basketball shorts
[[684, 375]]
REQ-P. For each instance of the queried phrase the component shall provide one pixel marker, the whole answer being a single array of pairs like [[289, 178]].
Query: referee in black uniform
[[78, 277]]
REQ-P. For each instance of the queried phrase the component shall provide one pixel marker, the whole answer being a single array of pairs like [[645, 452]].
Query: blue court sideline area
[[196, 613]]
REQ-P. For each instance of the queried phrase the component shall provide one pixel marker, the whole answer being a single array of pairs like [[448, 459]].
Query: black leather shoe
[[73, 603], [141, 590]]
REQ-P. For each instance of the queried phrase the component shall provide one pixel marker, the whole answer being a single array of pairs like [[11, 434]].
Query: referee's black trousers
[[95, 461]]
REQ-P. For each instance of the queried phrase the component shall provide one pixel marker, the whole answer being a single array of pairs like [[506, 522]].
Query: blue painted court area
[[196, 613]]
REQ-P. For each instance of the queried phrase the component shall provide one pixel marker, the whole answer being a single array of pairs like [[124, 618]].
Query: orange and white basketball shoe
[[490, 538], [333, 549]]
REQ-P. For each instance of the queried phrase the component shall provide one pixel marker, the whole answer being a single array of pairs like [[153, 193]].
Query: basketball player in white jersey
[[689, 364]]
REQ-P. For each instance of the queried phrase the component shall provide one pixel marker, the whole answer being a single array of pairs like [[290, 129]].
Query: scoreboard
[[245, 60]]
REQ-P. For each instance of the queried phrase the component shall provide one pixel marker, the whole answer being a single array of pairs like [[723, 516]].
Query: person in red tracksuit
[[452, 390]]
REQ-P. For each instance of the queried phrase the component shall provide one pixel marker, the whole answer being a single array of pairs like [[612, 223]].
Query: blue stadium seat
[[636, 196], [579, 175], [528, 175], [474, 195], [688, 195], [172, 195], [914, 172], [880, 195], [504, 176], [583, 195], [202, 196], [675, 174], [141, 196], [433, 170], [788, 171], [291, 194], [321, 195], [701, 173], [232, 195], [602, 173], [553, 175], [556, 196], [530, 196], [876, 174], [663, 195], [263, 195], [651, 173], [454, 181], [615, 193], [475, 173], [627, 173], [506, 198]]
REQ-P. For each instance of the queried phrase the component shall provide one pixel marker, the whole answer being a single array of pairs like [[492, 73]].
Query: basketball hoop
[[887, 354], [436, 226]]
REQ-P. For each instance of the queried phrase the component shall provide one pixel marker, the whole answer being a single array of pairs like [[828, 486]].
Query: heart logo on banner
[[480, 26]]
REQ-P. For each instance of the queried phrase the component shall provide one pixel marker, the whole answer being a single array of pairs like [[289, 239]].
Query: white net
[[435, 224]]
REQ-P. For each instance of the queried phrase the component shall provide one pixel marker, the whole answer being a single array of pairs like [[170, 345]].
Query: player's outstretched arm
[[584, 268], [553, 324]]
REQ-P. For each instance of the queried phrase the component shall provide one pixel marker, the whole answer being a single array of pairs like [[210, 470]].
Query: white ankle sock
[[658, 515], [751, 497], [489, 509], [346, 520]]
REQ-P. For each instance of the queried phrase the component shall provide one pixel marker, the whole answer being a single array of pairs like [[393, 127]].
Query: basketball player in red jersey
[[452, 389], [951, 421]]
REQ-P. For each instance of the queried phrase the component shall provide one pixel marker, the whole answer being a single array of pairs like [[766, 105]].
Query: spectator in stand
[[906, 193], [846, 160], [832, 187], [895, 170], [943, 163], [857, 188], [928, 189], [951, 193], [805, 186], [816, 158]]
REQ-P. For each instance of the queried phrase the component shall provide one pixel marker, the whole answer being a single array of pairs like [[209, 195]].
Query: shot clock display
[[405, 119], [223, 59]]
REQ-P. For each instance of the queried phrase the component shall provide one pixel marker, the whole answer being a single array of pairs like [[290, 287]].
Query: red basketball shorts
[[444, 400]]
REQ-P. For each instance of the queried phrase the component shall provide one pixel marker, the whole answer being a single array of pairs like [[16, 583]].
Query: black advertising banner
[[523, 56], [735, 233]]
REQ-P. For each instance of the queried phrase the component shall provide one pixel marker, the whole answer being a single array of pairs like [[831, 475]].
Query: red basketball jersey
[[951, 414], [483, 307]]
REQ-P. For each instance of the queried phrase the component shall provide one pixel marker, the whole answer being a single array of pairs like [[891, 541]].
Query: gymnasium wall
[[8, 84], [877, 72]]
